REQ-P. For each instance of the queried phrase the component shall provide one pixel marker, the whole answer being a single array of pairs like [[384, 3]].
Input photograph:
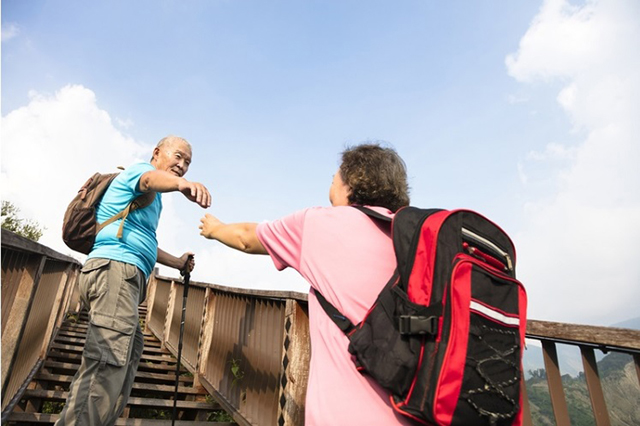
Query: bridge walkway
[[151, 401]]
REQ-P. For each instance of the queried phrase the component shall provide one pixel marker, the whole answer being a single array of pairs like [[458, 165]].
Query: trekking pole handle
[[185, 268]]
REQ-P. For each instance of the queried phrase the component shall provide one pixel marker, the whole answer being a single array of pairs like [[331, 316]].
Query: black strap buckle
[[409, 324]]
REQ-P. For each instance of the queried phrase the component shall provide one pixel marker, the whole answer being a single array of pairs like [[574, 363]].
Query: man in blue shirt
[[113, 280]]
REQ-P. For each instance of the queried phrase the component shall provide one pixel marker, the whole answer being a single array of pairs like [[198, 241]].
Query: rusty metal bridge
[[245, 353]]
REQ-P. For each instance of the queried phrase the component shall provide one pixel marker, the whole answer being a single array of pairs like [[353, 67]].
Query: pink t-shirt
[[349, 258]]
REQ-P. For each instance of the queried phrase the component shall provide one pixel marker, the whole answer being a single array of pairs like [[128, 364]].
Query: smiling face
[[172, 155]]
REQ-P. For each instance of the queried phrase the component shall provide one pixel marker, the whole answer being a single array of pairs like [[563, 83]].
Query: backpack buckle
[[409, 324]]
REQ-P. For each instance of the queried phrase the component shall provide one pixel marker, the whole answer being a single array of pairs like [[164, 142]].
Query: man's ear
[[154, 156]]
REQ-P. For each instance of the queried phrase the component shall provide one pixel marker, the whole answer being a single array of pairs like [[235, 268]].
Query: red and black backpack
[[445, 336]]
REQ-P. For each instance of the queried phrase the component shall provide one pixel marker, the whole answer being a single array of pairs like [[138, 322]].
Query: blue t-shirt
[[138, 244]]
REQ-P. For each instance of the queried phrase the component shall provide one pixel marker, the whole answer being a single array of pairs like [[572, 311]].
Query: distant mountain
[[619, 383], [568, 356], [633, 324]]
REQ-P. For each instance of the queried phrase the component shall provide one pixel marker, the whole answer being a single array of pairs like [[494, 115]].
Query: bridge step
[[71, 368], [70, 350], [78, 340], [65, 380], [51, 418], [152, 394], [58, 396]]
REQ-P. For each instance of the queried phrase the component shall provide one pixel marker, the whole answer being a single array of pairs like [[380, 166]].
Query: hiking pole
[[185, 281]]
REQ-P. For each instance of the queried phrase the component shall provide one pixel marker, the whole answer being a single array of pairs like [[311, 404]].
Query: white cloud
[[9, 31], [53, 144], [553, 151], [125, 124], [517, 99], [578, 249]]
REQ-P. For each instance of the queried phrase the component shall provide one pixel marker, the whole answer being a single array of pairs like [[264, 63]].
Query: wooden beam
[[612, 337], [20, 243]]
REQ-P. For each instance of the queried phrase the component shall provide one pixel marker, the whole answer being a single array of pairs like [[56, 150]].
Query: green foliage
[[51, 407], [11, 222], [220, 416], [237, 373], [539, 374], [150, 413]]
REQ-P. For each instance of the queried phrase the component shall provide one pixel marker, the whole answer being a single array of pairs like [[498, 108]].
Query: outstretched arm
[[162, 181], [240, 236]]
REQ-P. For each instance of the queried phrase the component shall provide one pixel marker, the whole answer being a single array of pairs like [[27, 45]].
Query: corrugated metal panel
[[159, 308], [34, 336], [245, 358], [13, 265], [192, 324]]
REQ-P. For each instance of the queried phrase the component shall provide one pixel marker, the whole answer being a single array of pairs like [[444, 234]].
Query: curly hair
[[377, 176]]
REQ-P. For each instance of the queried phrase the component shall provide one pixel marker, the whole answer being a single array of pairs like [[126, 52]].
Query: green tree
[[11, 222]]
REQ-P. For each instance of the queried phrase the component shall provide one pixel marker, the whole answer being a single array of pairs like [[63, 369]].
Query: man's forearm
[[169, 260], [159, 181]]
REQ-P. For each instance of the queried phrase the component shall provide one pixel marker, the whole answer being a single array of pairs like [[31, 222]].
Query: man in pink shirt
[[347, 257]]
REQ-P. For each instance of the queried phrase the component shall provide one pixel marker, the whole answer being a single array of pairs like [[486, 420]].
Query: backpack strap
[[336, 316], [373, 214], [138, 203]]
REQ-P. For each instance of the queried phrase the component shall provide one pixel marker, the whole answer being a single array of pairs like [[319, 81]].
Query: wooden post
[[206, 333], [168, 315], [151, 295], [295, 365], [70, 286], [598, 403], [53, 316], [554, 380], [526, 409]]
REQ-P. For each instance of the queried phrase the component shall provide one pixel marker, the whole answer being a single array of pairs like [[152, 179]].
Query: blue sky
[[524, 111]]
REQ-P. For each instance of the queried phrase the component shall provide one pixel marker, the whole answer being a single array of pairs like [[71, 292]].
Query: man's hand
[[209, 225], [188, 262], [195, 192]]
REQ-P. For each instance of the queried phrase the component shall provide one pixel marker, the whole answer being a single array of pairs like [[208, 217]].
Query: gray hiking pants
[[100, 389]]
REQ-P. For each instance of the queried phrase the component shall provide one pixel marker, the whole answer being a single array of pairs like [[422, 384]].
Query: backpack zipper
[[489, 244]]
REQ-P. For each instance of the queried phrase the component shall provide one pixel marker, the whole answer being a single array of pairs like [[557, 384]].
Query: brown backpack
[[80, 226]]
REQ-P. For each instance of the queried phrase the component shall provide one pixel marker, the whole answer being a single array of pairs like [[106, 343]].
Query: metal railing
[[253, 350], [37, 289], [248, 348], [587, 339]]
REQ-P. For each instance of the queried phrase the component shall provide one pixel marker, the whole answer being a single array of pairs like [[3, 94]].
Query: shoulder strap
[[372, 213], [140, 202], [341, 321]]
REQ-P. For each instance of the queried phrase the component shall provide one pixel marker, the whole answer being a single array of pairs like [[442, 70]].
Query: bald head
[[172, 154], [171, 140]]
